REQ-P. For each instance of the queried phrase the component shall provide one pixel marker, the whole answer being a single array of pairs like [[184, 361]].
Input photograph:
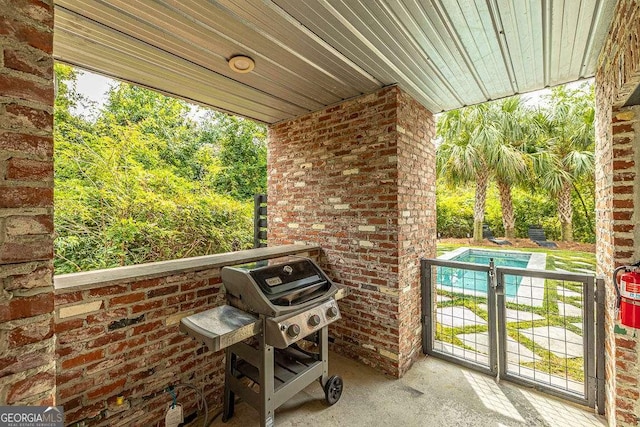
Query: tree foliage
[[140, 182], [547, 152]]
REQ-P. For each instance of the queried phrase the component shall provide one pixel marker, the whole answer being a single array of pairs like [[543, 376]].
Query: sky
[[94, 86]]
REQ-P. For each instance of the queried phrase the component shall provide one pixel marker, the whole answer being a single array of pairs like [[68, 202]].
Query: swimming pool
[[469, 281]]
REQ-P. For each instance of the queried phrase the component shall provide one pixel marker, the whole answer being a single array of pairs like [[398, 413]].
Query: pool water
[[460, 280]]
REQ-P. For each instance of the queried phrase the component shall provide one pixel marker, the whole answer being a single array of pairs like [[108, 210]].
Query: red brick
[[27, 117], [68, 325], [31, 386], [622, 128], [21, 88], [626, 343], [68, 297], [25, 197], [107, 315], [623, 164], [144, 284], [107, 290], [147, 327], [105, 339], [162, 291], [623, 242], [177, 299], [12, 252], [147, 306], [23, 32], [23, 362], [83, 359], [29, 225], [126, 345], [208, 291], [40, 11], [41, 65], [127, 299], [31, 333], [71, 336], [623, 228], [66, 391], [623, 204], [194, 285], [29, 170], [22, 307], [622, 216], [40, 277], [623, 189], [41, 146]]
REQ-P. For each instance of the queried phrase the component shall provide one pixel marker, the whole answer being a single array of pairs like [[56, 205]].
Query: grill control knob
[[314, 320], [293, 330], [332, 311]]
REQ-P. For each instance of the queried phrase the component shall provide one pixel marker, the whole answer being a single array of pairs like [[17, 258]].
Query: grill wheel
[[333, 389]]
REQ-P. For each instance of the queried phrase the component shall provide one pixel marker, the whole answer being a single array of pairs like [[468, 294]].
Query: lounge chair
[[536, 233], [488, 234]]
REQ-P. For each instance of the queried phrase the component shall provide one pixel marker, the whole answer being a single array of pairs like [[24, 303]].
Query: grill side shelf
[[221, 326]]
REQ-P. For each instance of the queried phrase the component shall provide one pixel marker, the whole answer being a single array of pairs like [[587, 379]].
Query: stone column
[[27, 373], [358, 179]]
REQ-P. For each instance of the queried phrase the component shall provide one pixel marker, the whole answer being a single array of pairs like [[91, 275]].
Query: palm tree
[[507, 158], [482, 141], [463, 156], [566, 148]]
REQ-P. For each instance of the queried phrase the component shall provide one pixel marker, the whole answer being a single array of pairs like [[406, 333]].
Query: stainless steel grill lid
[[277, 286]]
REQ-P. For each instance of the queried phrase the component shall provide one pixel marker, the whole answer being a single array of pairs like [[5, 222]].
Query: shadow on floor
[[432, 393]]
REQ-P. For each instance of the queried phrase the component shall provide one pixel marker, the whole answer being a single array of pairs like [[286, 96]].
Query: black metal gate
[[533, 327]]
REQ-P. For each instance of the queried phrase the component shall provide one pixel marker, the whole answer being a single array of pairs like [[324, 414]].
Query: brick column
[[27, 373], [358, 179], [617, 193]]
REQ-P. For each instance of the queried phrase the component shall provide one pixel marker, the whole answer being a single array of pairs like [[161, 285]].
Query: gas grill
[[273, 305]]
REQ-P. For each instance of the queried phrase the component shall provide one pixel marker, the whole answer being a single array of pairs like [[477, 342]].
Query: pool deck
[[530, 290], [537, 260]]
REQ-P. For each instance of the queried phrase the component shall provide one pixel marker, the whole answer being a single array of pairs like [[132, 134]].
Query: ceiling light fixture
[[241, 64]]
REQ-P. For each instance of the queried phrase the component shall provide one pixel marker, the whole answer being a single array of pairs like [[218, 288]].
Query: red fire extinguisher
[[628, 294]]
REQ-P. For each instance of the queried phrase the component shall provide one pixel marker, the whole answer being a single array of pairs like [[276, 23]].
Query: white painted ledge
[[96, 278]]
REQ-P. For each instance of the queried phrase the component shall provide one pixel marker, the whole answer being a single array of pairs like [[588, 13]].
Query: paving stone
[[565, 292], [516, 352], [568, 310], [559, 341], [517, 315], [457, 317], [577, 324], [442, 298]]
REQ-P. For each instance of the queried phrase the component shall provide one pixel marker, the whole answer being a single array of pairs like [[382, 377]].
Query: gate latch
[[493, 277]]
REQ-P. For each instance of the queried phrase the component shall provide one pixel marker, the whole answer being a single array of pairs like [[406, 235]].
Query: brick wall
[[357, 179], [121, 338], [616, 195], [27, 373], [416, 221]]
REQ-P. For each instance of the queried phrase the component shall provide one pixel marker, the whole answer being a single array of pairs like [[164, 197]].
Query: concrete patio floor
[[432, 393]]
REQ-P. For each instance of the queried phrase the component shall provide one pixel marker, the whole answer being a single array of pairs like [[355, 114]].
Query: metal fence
[[533, 327]]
